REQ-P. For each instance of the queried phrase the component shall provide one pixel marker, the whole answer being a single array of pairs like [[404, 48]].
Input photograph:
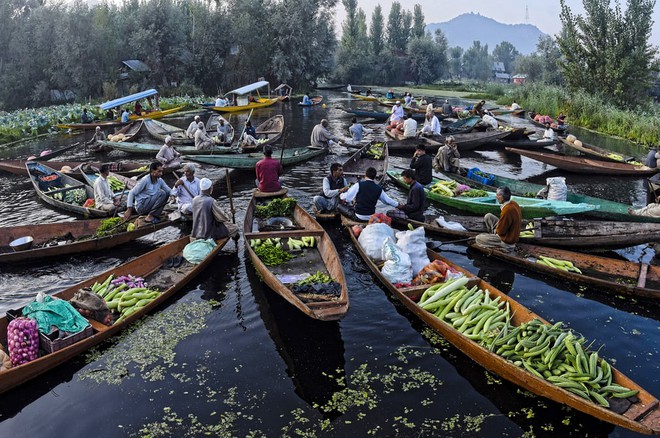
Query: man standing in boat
[[333, 185], [209, 221], [366, 195], [503, 233], [149, 196], [321, 137], [268, 172]]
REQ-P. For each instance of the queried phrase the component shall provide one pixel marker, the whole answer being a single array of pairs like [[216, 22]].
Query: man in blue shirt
[[149, 195]]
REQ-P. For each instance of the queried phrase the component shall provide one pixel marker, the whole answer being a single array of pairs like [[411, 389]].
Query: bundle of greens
[[111, 226], [276, 208]]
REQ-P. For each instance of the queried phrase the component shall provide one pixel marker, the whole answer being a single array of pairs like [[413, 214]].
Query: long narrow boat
[[160, 131], [127, 133], [57, 152], [60, 184], [212, 129], [642, 416], [150, 266], [91, 177], [507, 110], [561, 131], [313, 101], [378, 115], [248, 161], [598, 152], [156, 114], [524, 143], [465, 141], [568, 234], [152, 149], [65, 238], [531, 207], [617, 276], [270, 130], [322, 257], [370, 98], [17, 167], [259, 103], [610, 210], [89, 126], [585, 165]]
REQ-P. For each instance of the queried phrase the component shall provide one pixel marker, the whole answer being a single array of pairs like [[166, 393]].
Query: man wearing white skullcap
[[186, 188], [168, 155], [190, 132], [209, 219], [98, 136]]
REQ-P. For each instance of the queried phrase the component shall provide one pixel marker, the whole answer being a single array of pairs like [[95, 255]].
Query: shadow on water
[[312, 350]]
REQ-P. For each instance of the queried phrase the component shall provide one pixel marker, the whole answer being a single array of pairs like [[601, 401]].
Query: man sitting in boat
[[515, 106], [431, 125], [168, 156], [651, 159], [366, 195], [503, 233], [548, 134], [138, 108], [321, 137], [86, 117], [357, 130], [186, 188], [99, 135], [220, 102], [448, 158], [396, 117], [415, 206], [190, 132], [202, 140], [447, 108], [249, 138], [209, 221], [478, 109], [222, 131], [409, 126], [333, 185], [125, 116], [306, 100], [110, 114], [407, 99], [149, 196], [104, 199], [422, 165], [390, 94], [561, 120], [268, 171]]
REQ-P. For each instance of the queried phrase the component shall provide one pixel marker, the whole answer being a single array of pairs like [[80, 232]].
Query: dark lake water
[[236, 360]]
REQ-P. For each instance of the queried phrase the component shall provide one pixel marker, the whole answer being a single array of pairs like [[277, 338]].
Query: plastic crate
[[472, 174], [52, 342]]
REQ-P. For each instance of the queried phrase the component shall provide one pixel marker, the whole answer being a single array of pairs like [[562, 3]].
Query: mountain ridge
[[488, 31]]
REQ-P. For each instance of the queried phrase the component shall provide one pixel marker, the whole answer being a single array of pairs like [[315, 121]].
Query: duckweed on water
[[148, 345]]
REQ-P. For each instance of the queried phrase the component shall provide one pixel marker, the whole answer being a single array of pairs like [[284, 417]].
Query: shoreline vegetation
[[586, 111]]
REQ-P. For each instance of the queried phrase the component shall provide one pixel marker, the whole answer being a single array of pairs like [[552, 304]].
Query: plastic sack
[[372, 238], [557, 189], [440, 220], [397, 267], [490, 120], [197, 250], [413, 243]]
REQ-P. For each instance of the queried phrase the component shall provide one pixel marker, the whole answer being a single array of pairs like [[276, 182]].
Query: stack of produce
[[375, 151], [270, 251], [303, 242], [22, 340], [278, 207], [452, 188], [549, 352], [115, 184], [111, 226], [125, 295], [318, 284], [528, 230], [564, 265], [74, 196]]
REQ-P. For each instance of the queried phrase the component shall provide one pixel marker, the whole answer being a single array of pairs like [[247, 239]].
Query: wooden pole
[[230, 196], [244, 126]]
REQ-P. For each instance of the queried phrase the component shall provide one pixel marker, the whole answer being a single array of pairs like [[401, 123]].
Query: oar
[[184, 186], [230, 196]]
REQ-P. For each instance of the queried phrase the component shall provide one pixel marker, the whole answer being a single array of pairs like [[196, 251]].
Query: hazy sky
[[545, 16]]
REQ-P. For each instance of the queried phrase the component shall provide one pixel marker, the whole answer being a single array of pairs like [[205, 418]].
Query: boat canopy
[[128, 99], [249, 88]]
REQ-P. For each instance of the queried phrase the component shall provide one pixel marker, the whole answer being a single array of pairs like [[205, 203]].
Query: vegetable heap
[[125, 295], [111, 226], [564, 265], [317, 287], [375, 151], [319, 277], [303, 242], [270, 251], [115, 184], [528, 232], [276, 208], [549, 352], [452, 188], [22, 340], [74, 196]]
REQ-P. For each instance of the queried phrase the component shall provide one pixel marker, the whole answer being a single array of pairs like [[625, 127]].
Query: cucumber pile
[[122, 298]]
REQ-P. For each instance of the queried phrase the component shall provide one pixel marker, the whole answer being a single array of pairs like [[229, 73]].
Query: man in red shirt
[[268, 172]]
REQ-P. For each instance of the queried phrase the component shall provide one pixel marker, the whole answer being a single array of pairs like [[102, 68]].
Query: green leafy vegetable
[[276, 208]]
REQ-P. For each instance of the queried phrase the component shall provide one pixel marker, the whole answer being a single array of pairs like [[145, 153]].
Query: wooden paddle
[[230, 196], [184, 186]]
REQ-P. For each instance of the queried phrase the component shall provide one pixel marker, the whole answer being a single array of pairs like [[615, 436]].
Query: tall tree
[[397, 32], [424, 59], [418, 26], [354, 44], [607, 49], [376, 33], [531, 65], [506, 53], [456, 62], [476, 62], [550, 55]]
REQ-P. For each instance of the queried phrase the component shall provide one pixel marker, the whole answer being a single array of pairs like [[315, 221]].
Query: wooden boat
[[89, 126], [17, 167], [129, 131], [561, 131], [258, 103], [160, 131], [507, 110], [585, 165], [157, 114], [323, 257], [370, 98], [57, 152], [248, 161], [567, 234], [314, 101], [61, 184], [150, 266], [599, 153], [465, 142], [59, 234], [152, 149], [212, 128], [642, 416], [378, 115], [270, 130], [283, 92], [617, 276], [523, 144], [610, 210], [531, 207]]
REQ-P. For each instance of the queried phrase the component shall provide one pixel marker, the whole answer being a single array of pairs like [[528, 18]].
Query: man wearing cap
[[446, 108], [186, 188], [209, 221], [321, 137], [222, 132], [169, 156], [104, 198], [448, 158], [99, 135], [396, 117], [202, 140], [190, 132], [431, 124], [149, 196], [268, 172]]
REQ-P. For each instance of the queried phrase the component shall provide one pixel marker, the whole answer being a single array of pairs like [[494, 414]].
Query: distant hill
[[464, 29]]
